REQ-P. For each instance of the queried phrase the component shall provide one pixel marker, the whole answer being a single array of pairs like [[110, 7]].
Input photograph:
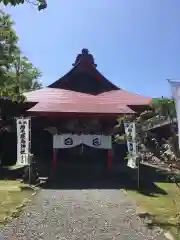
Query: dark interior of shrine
[[82, 157]]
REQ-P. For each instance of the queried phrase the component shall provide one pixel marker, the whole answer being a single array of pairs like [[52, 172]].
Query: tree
[[8, 44], [164, 107], [161, 110], [23, 77], [26, 74], [41, 4], [8, 50], [17, 73]]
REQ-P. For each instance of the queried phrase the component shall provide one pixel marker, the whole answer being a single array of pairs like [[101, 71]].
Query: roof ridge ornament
[[85, 56]]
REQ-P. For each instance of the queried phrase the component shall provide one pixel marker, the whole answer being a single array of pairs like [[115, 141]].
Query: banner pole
[[29, 172], [138, 175], [29, 154]]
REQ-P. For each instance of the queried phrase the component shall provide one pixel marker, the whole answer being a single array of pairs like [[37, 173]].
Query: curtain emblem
[[68, 141], [96, 142]]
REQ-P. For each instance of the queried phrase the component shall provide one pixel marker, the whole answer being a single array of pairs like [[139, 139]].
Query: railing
[[158, 121]]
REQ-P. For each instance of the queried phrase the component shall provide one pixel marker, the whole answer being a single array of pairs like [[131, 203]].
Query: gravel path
[[79, 214]]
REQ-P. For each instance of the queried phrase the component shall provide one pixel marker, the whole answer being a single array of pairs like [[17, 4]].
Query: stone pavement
[[79, 214]]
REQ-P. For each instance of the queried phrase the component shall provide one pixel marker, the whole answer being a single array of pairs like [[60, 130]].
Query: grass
[[164, 207], [12, 200]]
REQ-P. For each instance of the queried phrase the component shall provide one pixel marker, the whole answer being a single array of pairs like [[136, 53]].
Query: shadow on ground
[[150, 189], [93, 180]]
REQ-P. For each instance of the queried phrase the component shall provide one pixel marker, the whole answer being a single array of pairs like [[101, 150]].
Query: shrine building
[[73, 119]]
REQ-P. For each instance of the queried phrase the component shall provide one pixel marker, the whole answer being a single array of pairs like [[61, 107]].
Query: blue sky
[[136, 43]]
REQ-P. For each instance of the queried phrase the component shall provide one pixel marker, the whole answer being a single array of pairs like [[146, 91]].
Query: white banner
[[23, 138], [175, 88], [130, 131], [72, 140]]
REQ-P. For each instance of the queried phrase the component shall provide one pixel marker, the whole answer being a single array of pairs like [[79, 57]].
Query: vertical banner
[[175, 89], [23, 141], [130, 132]]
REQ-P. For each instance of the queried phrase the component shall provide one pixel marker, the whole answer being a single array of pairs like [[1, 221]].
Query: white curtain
[[130, 131], [98, 141], [66, 141], [23, 129], [175, 88], [72, 140]]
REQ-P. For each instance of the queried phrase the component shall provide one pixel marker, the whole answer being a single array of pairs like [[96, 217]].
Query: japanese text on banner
[[22, 141], [130, 132]]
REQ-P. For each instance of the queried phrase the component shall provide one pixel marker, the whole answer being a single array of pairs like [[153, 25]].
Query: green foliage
[[161, 109], [41, 4], [12, 2], [163, 106], [17, 73], [119, 138]]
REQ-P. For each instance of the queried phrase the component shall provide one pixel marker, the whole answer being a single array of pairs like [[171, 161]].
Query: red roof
[[110, 100], [124, 97], [65, 101]]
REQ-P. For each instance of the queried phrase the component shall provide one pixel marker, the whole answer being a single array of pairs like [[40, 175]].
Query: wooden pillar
[[110, 155]]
